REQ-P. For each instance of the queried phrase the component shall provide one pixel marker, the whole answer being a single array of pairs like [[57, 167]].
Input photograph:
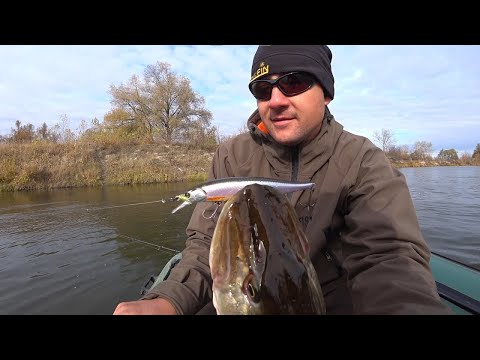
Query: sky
[[420, 93]]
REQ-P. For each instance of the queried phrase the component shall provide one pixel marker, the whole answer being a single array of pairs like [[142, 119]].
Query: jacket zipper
[[295, 163], [294, 158], [331, 258]]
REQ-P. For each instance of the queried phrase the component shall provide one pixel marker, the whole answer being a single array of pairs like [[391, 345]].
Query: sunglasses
[[290, 84]]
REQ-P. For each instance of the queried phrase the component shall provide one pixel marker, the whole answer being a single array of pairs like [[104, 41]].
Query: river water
[[447, 200], [82, 251]]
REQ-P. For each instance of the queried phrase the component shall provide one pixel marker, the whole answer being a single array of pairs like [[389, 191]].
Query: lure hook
[[213, 214], [309, 203]]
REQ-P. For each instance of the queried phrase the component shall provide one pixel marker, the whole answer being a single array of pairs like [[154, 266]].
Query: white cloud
[[428, 93]]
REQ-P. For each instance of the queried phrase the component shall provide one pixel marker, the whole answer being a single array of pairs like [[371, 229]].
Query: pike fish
[[259, 258], [220, 190]]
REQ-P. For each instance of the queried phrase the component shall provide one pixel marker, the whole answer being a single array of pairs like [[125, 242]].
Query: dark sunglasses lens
[[261, 90], [293, 84], [290, 85]]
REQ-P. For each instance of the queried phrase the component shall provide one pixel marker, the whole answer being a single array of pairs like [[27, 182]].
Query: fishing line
[[142, 203], [158, 247]]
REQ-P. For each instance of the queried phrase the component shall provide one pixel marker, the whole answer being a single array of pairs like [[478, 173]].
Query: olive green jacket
[[365, 239]]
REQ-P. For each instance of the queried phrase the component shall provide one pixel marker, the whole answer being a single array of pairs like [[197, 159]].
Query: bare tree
[[42, 132], [401, 152], [422, 150], [162, 105], [61, 130], [385, 139], [45, 133], [23, 133]]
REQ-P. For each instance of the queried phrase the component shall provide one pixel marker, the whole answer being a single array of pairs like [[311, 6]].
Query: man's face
[[292, 120]]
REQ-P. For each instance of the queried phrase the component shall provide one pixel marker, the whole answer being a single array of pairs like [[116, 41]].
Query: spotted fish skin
[[259, 257]]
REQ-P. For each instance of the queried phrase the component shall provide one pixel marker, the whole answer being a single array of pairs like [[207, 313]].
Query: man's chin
[[286, 139]]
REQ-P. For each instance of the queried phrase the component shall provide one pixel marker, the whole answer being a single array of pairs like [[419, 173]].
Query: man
[[365, 240]]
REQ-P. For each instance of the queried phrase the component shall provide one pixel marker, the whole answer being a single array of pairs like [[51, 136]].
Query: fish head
[[259, 258], [190, 197]]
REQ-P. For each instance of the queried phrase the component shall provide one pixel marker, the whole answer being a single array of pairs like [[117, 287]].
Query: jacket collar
[[312, 155]]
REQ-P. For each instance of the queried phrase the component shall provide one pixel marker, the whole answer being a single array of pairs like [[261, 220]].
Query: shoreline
[[48, 166]]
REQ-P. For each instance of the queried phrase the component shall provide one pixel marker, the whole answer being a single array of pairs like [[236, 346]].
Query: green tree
[[447, 155], [163, 105], [476, 152]]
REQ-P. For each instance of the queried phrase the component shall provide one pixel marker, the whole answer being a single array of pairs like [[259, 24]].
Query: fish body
[[220, 190], [259, 258]]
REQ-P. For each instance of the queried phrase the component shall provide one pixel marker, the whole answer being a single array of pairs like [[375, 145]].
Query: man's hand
[[156, 306]]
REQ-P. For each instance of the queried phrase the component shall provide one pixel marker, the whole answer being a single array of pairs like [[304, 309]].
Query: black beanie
[[314, 59]]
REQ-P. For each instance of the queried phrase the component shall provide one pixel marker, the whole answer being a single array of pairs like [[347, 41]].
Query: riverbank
[[45, 165], [431, 163], [42, 166]]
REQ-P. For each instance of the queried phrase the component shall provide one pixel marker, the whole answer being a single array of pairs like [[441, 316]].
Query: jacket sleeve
[[385, 254], [189, 285]]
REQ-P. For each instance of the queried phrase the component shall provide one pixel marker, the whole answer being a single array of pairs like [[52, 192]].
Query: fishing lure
[[220, 190]]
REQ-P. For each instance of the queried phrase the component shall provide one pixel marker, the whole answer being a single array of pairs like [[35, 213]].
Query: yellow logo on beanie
[[262, 70]]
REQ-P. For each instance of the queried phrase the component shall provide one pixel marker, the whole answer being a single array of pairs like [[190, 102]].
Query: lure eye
[[250, 290], [184, 197]]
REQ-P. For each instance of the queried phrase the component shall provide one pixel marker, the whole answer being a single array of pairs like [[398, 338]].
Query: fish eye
[[250, 290]]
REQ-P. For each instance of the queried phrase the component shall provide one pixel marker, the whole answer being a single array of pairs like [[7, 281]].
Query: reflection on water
[[59, 257], [79, 252], [447, 200]]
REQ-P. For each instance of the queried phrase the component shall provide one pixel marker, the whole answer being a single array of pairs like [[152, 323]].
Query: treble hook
[[213, 214], [309, 203]]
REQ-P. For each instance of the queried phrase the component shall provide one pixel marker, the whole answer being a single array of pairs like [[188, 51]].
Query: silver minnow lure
[[222, 189]]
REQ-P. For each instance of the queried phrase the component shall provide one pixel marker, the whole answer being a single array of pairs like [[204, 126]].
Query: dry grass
[[43, 165], [46, 165], [430, 163]]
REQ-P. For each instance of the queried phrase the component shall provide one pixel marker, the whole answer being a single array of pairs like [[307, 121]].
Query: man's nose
[[278, 98]]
